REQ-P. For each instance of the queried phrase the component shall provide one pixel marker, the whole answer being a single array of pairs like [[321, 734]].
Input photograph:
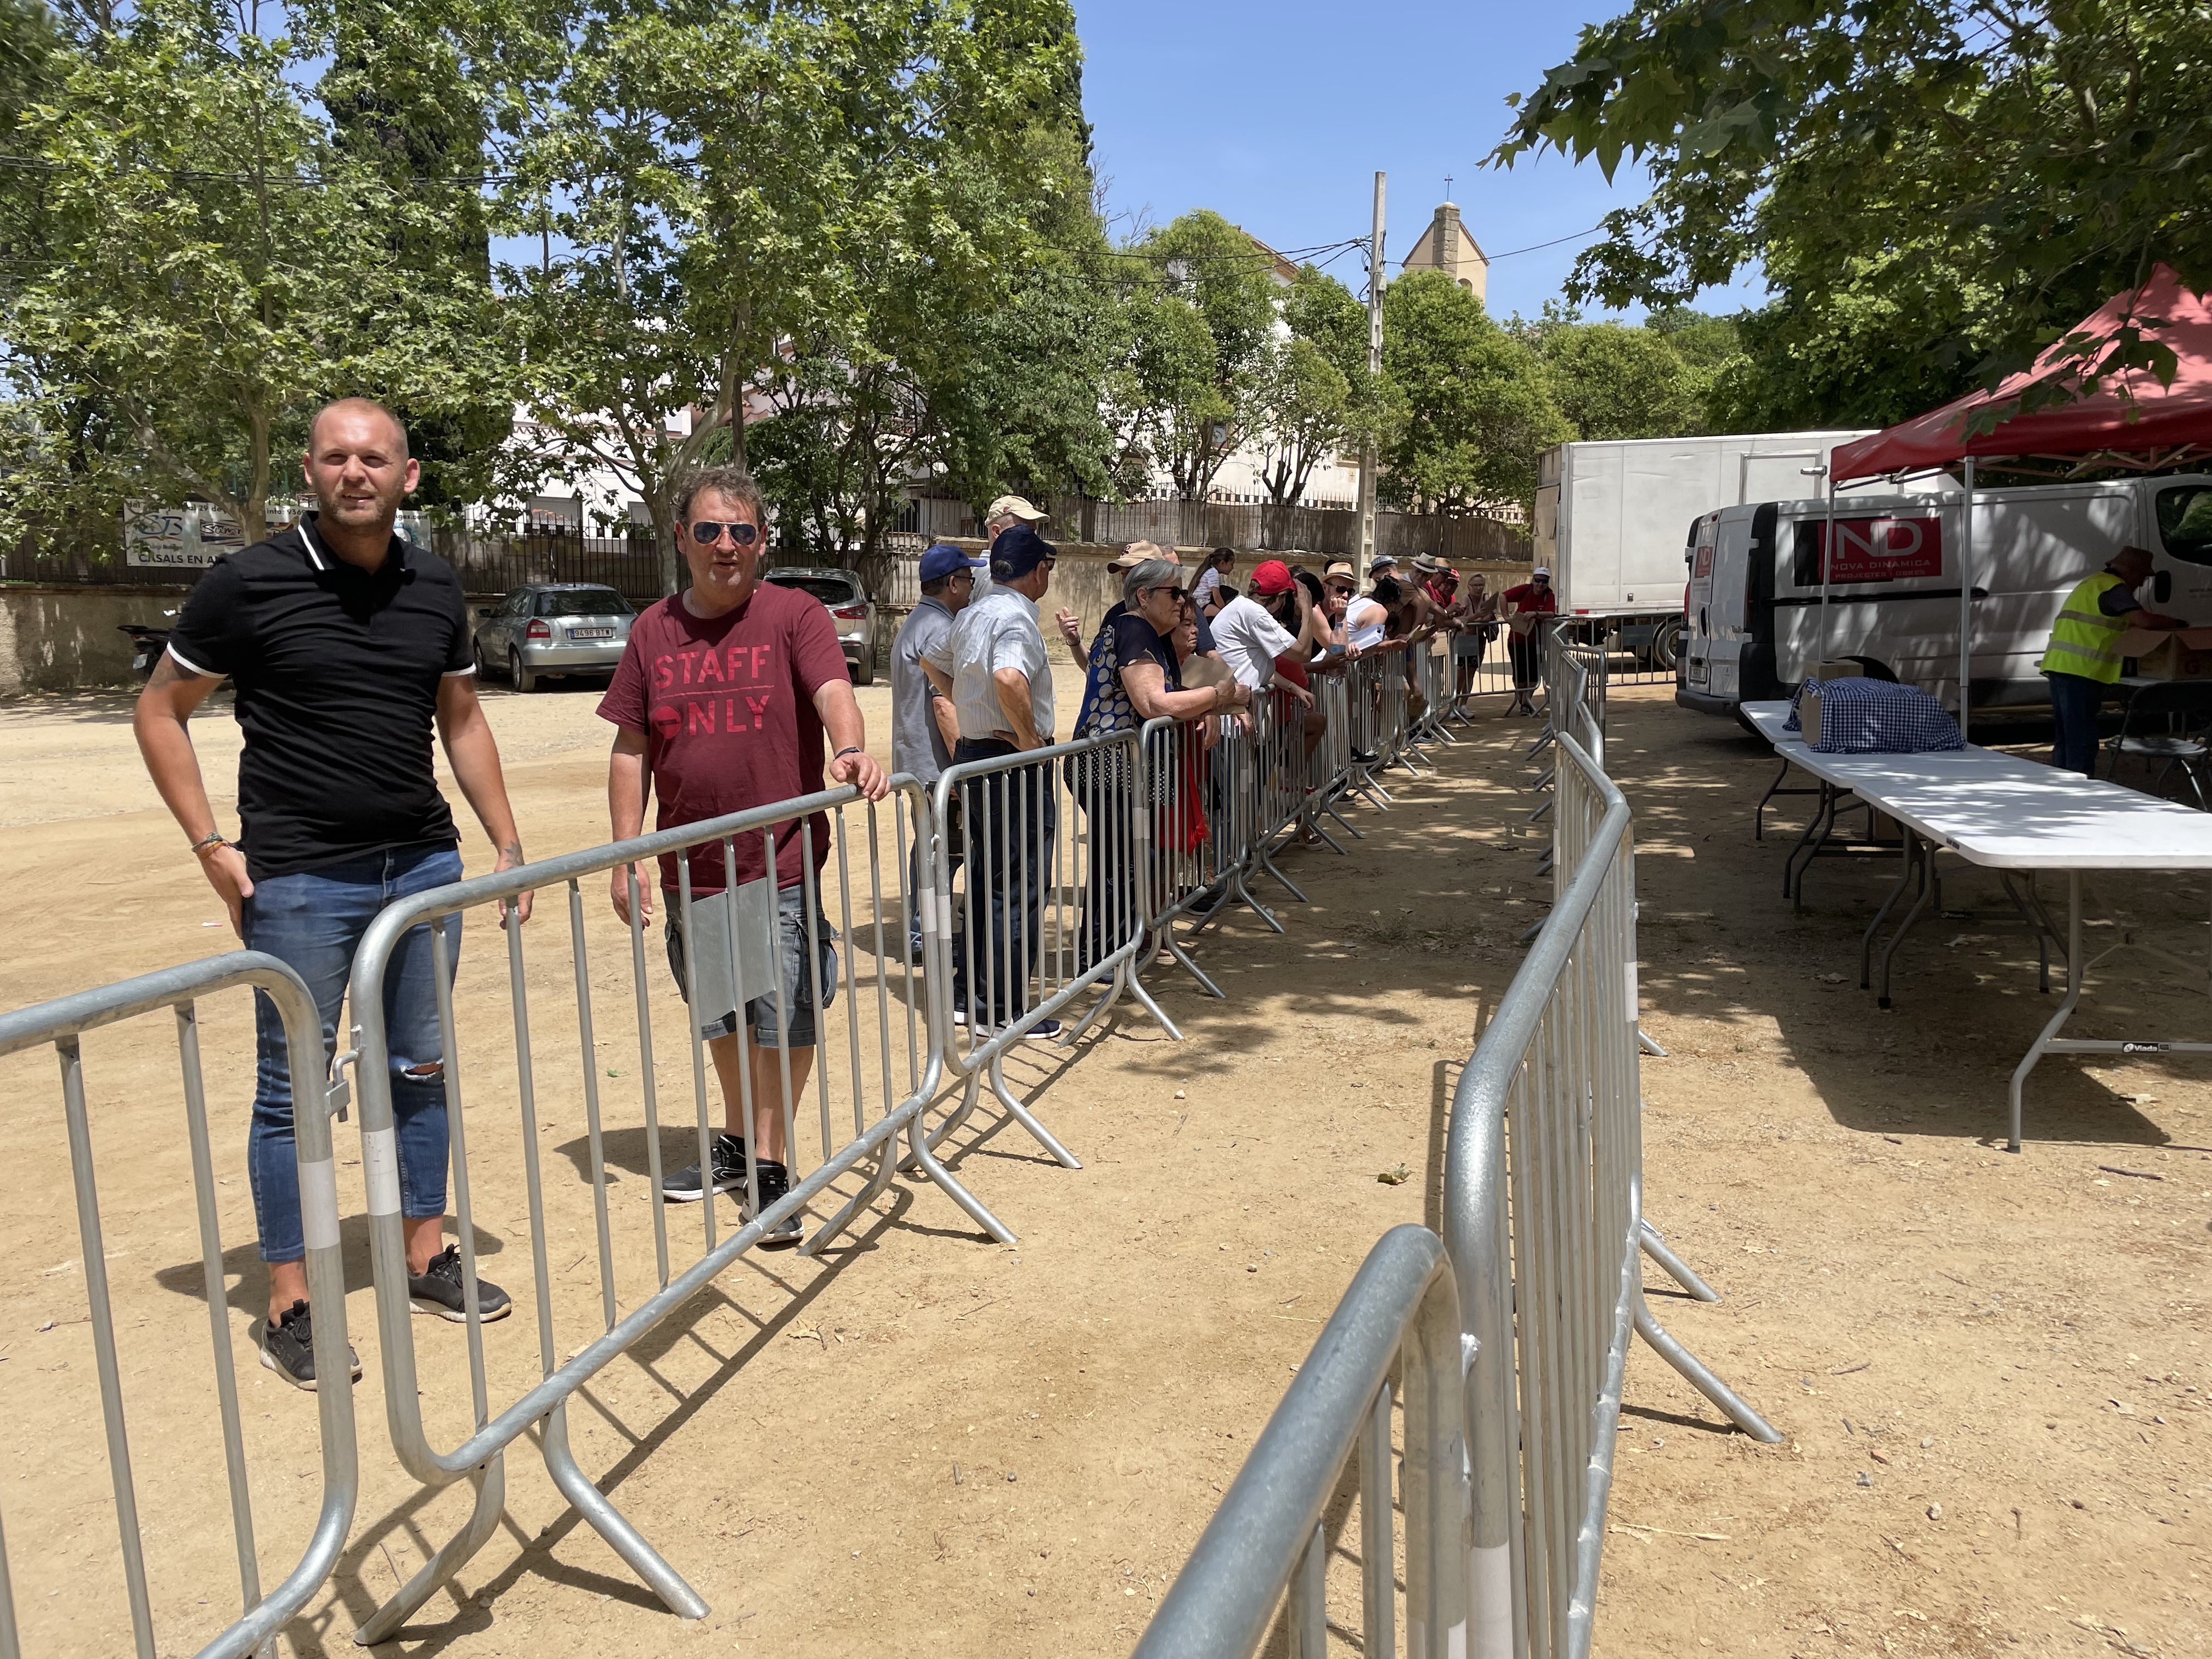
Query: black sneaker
[[437, 1289], [775, 1182], [729, 1158], [288, 1348]]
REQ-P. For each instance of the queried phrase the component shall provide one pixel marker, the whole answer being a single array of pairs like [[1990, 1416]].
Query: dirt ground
[[1990, 1368]]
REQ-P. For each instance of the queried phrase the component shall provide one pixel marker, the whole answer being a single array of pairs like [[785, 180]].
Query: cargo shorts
[[762, 965]]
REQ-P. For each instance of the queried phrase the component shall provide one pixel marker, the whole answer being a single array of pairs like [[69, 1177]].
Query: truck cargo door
[[1696, 669]]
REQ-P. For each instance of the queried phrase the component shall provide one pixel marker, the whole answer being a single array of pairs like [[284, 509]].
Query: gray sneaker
[[727, 1153], [288, 1348], [438, 1289]]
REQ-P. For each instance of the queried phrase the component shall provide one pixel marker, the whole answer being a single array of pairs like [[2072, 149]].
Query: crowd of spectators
[[971, 681]]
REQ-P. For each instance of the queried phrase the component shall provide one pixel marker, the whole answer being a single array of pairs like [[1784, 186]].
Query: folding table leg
[[1759, 812], [2064, 1011], [1865, 939], [1927, 887]]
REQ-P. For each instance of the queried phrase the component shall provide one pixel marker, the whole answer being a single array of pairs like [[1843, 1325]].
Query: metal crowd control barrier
[[1401, 1316], [1543, 1225], [902, 1029], [64, 1022], [1542, 1213], [1049, 844]]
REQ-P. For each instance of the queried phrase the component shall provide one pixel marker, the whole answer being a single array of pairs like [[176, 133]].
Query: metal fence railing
[[771, 957], [1542, 1214], [1267, 1543], [868, 928], [64, 1024]]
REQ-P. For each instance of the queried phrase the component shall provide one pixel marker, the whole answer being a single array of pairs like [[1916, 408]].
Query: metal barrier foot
[[1703, 1380], [1267, 863], [1644, 1041], [490, 1482], [663, 1580], [1138, 991], [958, 1115], [924, 1159], [1023, 1116], [878, 1184], [1176, 949], [1656, 1246], [1244, 896]]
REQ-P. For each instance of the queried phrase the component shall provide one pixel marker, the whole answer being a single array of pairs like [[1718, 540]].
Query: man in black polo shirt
[[346, 645]]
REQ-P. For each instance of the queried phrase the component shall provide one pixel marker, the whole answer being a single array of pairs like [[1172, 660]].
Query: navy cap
[[945, 559], [1018, 550]]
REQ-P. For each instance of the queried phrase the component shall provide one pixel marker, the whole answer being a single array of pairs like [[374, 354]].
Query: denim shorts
[[756, 977]]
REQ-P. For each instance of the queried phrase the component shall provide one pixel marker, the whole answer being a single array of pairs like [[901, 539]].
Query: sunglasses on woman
[[706, 533]]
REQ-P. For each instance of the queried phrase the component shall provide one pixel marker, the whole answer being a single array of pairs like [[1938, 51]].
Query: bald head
[[358, 467], [350, 410]]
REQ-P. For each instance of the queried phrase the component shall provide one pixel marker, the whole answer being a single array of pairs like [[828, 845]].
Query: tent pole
[[1966, 604], [1828, 558]]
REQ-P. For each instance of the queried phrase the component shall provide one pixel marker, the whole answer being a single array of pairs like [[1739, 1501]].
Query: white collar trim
[[307, 540]]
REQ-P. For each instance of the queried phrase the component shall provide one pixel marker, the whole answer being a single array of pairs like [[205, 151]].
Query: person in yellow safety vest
[[2084, 658]]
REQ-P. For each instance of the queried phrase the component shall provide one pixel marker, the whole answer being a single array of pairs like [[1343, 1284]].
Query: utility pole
[[1367, 456]]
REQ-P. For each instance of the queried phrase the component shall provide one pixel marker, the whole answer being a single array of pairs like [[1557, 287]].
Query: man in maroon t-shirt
[[721, 703], [1524, 606]]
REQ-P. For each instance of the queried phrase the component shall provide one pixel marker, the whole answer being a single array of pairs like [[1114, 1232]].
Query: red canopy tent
[[2130, 410], [2127, 418]]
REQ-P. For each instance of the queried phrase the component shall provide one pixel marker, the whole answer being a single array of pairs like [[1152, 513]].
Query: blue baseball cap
[[1018, 550], [945, 559]]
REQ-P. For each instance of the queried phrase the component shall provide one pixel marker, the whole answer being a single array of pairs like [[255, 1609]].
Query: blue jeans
[[2075, 702], [313, 921]]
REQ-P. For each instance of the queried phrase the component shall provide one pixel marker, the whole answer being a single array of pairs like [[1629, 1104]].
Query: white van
[[1751, 625]]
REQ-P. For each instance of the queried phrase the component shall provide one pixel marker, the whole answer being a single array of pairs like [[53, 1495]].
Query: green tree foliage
[[1934, 189], [1315, 396], [1612, 381], [207, 262], [1199, 298], [1473, 405], [772, 208], [416, 117]]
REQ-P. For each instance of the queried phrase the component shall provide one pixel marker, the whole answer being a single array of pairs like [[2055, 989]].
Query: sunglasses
[[706, 533]]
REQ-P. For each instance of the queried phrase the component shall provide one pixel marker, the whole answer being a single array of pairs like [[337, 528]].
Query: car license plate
[[591, 633]]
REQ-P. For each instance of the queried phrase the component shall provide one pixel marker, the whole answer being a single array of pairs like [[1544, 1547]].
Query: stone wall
[[65, 639]]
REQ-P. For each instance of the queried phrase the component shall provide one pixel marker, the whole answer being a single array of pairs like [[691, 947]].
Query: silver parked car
[[851, 610], [553, 628]]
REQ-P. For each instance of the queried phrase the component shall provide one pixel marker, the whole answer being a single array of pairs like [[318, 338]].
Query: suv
[[852, 612], [553, 628]]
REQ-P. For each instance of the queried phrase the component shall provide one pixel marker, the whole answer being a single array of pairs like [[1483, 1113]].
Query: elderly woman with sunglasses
[[1134, 676]]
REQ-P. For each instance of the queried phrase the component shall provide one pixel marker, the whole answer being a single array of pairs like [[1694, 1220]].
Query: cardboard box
[[2184, 655]]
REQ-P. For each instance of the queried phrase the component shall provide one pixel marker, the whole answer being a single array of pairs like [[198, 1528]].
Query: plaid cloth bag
[[1876, 717]]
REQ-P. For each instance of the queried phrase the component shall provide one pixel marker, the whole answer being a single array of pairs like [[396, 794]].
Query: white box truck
[[1611, 519], [1754, 627]]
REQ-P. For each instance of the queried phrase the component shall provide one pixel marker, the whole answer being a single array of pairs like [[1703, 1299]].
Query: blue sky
[[1278, 115]]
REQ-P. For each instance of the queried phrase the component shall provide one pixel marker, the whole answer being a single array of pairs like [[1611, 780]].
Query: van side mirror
[[2161, 587]]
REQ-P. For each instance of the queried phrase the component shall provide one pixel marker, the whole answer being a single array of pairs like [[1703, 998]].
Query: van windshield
[[2184, 522]]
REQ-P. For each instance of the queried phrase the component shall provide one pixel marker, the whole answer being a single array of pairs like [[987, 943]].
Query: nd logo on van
[[1884, 550]]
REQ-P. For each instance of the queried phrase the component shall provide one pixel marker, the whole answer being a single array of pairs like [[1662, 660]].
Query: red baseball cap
[[1273, 576]]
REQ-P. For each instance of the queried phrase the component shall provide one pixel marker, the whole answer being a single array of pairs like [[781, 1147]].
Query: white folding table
[[2004, 813]]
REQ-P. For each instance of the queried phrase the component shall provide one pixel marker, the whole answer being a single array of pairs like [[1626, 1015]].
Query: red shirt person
[[726, 699], [1524, 606]]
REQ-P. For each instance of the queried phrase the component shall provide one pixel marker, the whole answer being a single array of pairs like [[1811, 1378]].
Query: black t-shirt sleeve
[[213, 635], [1135, 640], [460, 655]]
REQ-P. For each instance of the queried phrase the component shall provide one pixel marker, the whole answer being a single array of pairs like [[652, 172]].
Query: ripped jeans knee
[[418, 1117]]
